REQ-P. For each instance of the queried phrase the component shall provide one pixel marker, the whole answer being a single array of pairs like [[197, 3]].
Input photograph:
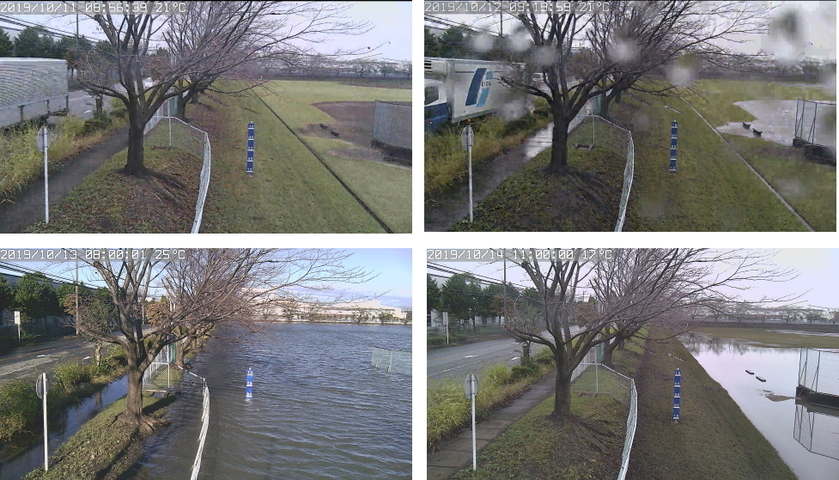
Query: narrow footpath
[[455, 454], [28, 206]]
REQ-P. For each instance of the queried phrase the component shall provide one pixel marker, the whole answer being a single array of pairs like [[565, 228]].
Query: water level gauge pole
[[470, 388], [249, 384], [677, 394], [249, 163]]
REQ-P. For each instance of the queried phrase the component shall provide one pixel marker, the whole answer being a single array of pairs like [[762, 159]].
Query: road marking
[[470, 356], [39, 356], [514, 358], [86, 358], [88, 111]]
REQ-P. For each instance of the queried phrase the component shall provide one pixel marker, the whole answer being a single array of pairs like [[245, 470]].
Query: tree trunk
[[99, 101], [525, 354], [181, 108], [608, 348], [181, 349], [135, 164], [134, 400], [562, 401], [559, 146], [97, 354]]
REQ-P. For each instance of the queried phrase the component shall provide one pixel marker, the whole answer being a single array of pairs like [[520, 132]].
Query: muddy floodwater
[[319, 409], [770, 405], [775, 119]]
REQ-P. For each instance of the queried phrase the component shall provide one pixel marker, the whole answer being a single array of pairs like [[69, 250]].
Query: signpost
[[43, 142], [249, 165], [674, 129], [42, 386], [17, 322], [470, 387], [677, 394], [446, 324], [467, 140]]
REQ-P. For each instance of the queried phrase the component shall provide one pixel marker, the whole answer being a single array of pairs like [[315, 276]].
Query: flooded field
[[319, 409], [770, 404], [775, 119]]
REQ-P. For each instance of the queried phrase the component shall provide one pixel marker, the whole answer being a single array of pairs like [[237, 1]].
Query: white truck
[[32, 88], [459, 89]]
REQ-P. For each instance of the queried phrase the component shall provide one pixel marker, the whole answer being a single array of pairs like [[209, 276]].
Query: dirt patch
[[353, 123]]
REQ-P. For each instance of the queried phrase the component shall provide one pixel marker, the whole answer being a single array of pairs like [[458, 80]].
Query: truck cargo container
[[459, 89], [32, 88]]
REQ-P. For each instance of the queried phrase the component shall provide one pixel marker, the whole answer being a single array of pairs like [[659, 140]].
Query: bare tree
[[632, 288], [205, 288], [632, 39], [241, 33]]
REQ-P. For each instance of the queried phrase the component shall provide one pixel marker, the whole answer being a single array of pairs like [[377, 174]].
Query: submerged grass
[[781, 336], [104, 448]]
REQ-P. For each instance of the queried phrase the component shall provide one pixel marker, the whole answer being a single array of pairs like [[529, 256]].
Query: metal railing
[[603, 380], [173, 132], [396, 361], [205, 422]]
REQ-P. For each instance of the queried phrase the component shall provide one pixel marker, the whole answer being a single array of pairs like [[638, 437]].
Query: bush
[[118, 109], [499, 374], [545, 357], [95, 124], [520, 372], [19, 405], [436, 340], [71, 375]]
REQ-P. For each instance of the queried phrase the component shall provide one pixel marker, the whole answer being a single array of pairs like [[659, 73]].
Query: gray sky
[[816, 283], [817, 21], [391, 22]]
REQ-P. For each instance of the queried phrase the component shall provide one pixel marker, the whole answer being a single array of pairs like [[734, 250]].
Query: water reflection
[[817, 429], [768, 404]]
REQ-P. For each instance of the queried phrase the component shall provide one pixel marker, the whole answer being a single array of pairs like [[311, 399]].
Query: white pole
[[470, 183], [46, 437], [474, 441], [46, 186]]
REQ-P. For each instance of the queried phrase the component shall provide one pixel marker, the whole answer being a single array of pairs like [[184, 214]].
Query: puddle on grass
[[775, 119]]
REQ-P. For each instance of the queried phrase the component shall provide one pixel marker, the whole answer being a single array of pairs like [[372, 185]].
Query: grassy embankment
[[449, 410], [714, 439], [535, 448], [781, 336], [104, 448], [385, 188], [445, 161], [712, 190], [21, 162], [20, 407], [809, 187], [530, 200]]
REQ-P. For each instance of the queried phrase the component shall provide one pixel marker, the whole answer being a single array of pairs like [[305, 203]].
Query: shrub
[[95, 124], [436, 340], [18, 406], [520, 372], [545, 357], [71, 127], [499, 374], [69, 376]]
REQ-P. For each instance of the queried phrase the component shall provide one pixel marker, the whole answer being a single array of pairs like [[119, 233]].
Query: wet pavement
[[448, 208], [775, 119]]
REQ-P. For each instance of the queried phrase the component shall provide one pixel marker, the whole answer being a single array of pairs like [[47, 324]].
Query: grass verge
[[714, 439], [449, 410], [22, 162], [445, 161], [535, 448], [20, 407], [532, 201], [104, 448]]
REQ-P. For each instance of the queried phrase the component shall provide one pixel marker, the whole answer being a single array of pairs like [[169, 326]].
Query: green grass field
[[809, 187], [385, 188], [712, 190], [291, 191]]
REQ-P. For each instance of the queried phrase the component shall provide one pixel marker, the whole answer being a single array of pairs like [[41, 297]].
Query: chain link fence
[[396, 361], [392, 124], [599, 379], [818, 370], [158, 377], [597, 132], [164, 130], [813, 122]]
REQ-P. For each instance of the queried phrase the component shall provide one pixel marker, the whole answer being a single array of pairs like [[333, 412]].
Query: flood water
[[319, 409], [769, 405], [775, 119], [18, 460]]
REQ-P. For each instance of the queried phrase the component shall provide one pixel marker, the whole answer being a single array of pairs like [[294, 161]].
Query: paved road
[[462, 360], [28, 361]]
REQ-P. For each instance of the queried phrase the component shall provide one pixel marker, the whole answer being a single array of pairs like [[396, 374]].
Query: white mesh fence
[[158, 376], [815, 429], [164, 130], [600, 379], [396, 361], [815, 122], [601, 133], [205, 422], [818, 370]]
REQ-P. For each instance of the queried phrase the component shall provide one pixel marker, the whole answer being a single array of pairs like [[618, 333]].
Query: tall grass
[[449, 409], [445, 160], [21, 162], [20, 407]]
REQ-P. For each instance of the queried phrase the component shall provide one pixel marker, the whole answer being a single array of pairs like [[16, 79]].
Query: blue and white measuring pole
[[249, 385], [249, 166], [674, 129], [677, 394]]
